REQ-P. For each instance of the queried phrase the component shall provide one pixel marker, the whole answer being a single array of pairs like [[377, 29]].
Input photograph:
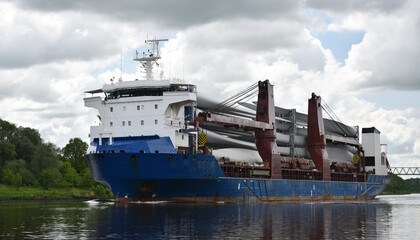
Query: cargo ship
[[161, 140]]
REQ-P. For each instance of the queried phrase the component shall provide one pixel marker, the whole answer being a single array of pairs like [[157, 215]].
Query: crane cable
[[247, 93], [333, 117]]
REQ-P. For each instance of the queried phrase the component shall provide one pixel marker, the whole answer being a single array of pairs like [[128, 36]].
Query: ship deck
[[246, 171]]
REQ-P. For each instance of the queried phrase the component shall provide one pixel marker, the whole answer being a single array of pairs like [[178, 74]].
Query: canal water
[[386, 217]]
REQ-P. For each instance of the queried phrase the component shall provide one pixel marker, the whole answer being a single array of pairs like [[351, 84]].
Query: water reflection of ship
[[243, 221], [325, 221]]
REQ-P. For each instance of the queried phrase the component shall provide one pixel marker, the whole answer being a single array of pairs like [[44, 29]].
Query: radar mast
[[149, 59]]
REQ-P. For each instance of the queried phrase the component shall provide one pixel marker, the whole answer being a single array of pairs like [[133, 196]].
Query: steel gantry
[[405, 170]]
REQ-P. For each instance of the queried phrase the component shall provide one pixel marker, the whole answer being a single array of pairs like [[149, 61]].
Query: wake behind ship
[[160, 140]]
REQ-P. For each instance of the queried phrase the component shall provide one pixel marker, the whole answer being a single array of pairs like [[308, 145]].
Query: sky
[[361, 56]]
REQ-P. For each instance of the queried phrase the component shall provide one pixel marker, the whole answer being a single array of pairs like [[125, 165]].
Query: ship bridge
[[146, 90], [145, 107]]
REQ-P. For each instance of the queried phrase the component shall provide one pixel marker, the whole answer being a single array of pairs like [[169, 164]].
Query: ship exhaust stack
[[265, 139], [371, 144], [316, 137]]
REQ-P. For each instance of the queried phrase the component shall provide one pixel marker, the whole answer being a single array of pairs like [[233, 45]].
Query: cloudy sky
[[361, 56]]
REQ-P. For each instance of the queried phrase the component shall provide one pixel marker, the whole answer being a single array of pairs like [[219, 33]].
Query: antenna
[[150, 58], [121, 63], [384, 147], [183, 70]]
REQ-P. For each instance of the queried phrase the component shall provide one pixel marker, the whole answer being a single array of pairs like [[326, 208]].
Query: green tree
[[7, 176], [31, 134], [101, 191], [45, 157], [24, 149], [397, 185], [47, 178], [25, 140], [74, 152], [86, 180], [17, 180], [7, 130], [7, 152], [20, 166], [68, 176], [413, 185], [7, 149]]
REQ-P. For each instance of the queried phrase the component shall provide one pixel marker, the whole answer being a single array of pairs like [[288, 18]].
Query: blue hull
[[190, 177]]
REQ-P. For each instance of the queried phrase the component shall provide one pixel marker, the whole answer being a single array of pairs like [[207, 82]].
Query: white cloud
[[345, 6], [224, 57], [170, 15], [48, 97], [416, 147], [389, 50], [385, 59], [30, 37], [399, 127]]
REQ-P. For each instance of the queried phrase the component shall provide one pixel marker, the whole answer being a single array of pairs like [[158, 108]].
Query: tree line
[[27, 160], [400, 186], [413, 185]]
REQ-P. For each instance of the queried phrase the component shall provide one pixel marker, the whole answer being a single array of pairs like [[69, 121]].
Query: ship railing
[[176, 122]]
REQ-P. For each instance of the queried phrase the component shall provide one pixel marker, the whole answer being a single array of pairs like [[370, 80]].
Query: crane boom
[[229, 121]]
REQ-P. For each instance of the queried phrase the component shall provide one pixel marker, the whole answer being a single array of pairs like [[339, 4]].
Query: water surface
[[386, 217]]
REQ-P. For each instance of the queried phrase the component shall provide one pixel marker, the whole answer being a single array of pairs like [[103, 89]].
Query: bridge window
[[129, 123], [369, 161], [111, 109], [156, 121], [142, 122], [123, 123], [138, 107], [156, 106], [110, 124]]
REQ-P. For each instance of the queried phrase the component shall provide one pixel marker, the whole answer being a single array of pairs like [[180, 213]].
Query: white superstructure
[[143, 107], [372, 146]]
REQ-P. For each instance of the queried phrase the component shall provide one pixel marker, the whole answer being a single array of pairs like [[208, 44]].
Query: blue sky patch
[[393, 99], [340, 42], [312, 13], [128, 65]]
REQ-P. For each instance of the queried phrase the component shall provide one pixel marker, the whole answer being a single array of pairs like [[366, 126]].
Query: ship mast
[[149, 58]]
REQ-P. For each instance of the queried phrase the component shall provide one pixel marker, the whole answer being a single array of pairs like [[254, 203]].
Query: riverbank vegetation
[[413, 185], [37, 193], [33, 168], [397, 186]]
